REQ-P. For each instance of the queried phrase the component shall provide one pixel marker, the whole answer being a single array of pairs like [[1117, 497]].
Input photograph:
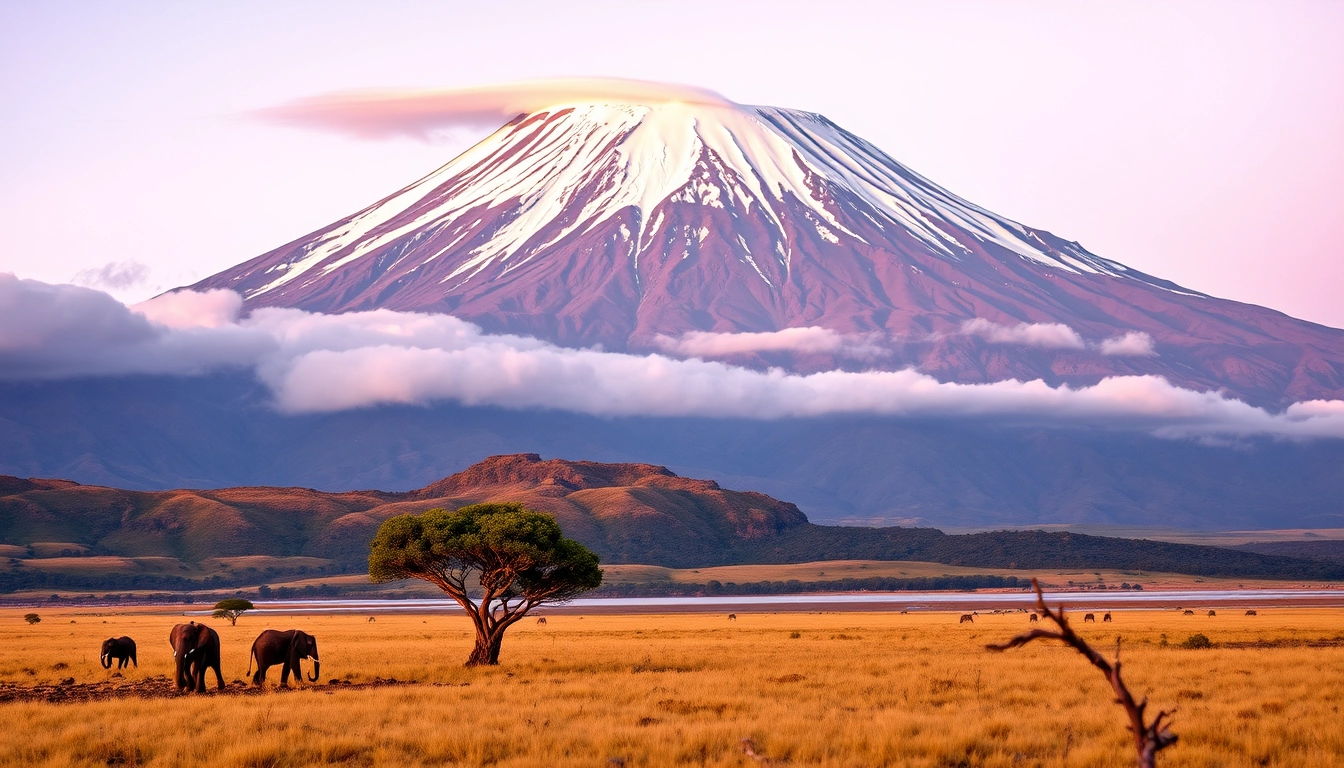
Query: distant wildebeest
[[1090, 617], [904, 612], [1034, 617], [1213, 613], [120, 648], [1105, 618], [1250, 613], [541, 619], [965, 617], [732, 617], [1189, 613]]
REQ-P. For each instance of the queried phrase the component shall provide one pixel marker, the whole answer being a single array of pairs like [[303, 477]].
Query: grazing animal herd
[[1087, 617], [196, 652]]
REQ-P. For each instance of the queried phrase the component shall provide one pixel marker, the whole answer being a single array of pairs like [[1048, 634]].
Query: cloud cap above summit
[[379, 113]]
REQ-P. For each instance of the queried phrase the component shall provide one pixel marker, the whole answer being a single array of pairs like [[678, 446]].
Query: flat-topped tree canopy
[[498, 561]]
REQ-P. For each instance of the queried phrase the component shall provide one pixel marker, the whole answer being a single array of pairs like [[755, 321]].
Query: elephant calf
[[287, 648], [195, 649], [120, 648]]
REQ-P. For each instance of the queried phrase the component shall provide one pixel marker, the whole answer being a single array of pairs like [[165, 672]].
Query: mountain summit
[[634, 225]]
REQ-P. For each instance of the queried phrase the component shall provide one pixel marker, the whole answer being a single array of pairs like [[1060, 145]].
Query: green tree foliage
[[232, 608], [498, 561], [32, 618]]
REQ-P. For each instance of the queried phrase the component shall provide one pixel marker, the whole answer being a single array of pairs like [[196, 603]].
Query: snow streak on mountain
[[639, 227]]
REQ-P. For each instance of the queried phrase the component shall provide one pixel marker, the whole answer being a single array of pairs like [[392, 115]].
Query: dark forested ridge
[[56, 533]]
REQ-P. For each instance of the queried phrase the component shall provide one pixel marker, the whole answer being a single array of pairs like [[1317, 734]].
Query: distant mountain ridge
[[626, 225], [628, 513]]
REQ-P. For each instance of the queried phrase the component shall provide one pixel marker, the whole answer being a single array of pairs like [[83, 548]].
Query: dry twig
[[749, 749], [1149, 738]]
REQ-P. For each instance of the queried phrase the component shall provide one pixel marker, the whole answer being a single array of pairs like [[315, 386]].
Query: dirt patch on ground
[[69, 692]]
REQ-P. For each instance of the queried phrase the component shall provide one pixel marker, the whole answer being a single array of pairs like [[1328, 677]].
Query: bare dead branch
[[1149, 738]]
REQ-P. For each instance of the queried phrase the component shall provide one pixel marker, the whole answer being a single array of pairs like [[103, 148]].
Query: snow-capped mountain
[[633, 225]]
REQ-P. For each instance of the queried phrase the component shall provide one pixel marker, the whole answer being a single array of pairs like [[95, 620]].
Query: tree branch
[[1149, 738]]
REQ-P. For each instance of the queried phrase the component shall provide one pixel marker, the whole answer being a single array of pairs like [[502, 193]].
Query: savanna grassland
[[835, 689]]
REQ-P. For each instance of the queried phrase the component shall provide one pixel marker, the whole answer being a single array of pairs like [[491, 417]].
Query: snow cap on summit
[[381, 113]]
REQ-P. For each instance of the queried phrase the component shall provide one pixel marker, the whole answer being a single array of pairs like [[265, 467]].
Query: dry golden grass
[[846, 689]]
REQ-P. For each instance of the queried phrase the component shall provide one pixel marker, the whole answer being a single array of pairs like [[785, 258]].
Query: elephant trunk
[[317, 666], [105, 660]]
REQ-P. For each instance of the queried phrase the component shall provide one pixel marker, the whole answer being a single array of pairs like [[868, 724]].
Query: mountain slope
[[621, 224], [628, 513]]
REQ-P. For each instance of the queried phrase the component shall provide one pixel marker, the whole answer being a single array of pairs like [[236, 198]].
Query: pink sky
[[1202, 142]]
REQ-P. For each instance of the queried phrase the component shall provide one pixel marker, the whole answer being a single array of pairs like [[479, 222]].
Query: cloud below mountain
[[1132, 344], [806, 340], [382, 113], [1047, 335], [323, 363]]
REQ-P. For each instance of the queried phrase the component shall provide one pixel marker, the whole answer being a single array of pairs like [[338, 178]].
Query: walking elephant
[[195, 649], [120, 648], [287, 648]]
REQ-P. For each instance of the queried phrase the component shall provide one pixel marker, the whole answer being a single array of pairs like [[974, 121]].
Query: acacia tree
[[232, 608], [497, 561]]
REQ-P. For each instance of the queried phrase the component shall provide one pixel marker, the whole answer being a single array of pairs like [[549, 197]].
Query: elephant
[[195, 649], [120, 648], [287, 648]]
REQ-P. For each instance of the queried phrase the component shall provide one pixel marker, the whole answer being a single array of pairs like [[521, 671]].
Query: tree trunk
[[486, 652]]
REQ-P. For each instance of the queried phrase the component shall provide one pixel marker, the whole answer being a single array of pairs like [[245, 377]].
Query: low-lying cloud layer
[[1132, 344], [1047, 335], [419, 114], [806, 340], [1058, 336], [320, 363]]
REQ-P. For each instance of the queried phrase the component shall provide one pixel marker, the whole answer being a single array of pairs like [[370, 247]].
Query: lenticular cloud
[[418, 113], [316, 363]]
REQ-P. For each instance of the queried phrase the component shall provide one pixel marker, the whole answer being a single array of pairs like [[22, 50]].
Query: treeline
[[796, 586], [1027, 549]]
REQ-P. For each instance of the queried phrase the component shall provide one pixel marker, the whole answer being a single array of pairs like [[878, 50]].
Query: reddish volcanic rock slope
[[633, 512], [618, 224]]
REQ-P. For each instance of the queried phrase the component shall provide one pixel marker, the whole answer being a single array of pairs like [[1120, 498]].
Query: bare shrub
[[1149, 738]]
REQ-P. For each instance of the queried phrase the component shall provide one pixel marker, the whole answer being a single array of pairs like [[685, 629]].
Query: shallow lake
[[860, 601]]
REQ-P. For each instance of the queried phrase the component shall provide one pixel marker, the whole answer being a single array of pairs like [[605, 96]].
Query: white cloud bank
[[809, 339], [1058, 336], [1132, 344], [1047, 335], [320, 363]]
